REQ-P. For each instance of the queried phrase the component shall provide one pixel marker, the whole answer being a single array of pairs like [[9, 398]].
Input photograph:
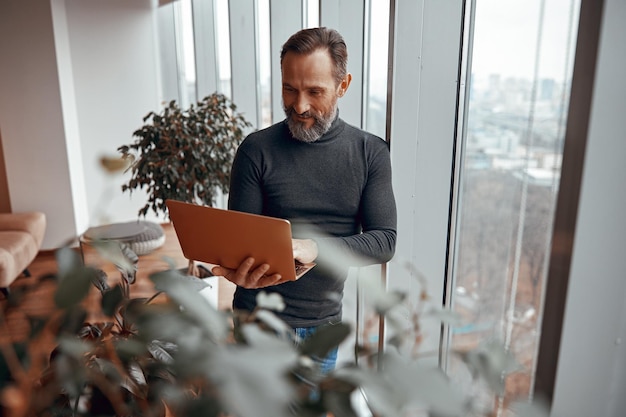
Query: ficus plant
[[185, 154]]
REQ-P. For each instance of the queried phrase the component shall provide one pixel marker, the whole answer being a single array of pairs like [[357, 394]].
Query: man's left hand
[[304, 250]]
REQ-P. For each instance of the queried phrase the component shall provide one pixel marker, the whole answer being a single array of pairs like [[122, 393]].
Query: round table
[[141, 236]]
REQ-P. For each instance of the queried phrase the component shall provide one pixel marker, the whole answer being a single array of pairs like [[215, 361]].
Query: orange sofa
[[21, 235]]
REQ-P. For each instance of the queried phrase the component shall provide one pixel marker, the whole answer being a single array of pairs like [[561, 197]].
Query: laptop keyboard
[[300, 267]]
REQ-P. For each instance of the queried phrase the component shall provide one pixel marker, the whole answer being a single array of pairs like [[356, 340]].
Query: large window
[[518, 63]]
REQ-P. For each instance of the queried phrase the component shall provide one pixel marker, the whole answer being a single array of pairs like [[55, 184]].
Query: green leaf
[[273, 322], [161, 351], [111, 300], [256, 337], [211, 129], [120, 255], [136, 382], [101, 281], [71, 374], [127, 348], [250, 387], [380, 393], [272, 301], [429, 388], [73, 320], [75, 281], [108, 369], [444, 315], [538, 407], [73, 347], [339, 403], [491, 361], [185, 294], [404, 385], [324, 339], [67, 261], [196, 407]]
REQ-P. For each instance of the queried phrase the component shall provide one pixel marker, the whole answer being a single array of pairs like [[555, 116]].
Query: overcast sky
[[505, 37]]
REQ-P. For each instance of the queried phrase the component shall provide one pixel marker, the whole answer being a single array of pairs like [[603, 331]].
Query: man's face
[[310, 93]]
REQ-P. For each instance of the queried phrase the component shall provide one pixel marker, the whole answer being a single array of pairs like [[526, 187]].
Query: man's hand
[[199, 269], [245, 278], [304, 250]]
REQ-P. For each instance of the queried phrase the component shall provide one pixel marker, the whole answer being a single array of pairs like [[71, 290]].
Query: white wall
[[32, 119], [114, 63], [591, 374], [76, 78]]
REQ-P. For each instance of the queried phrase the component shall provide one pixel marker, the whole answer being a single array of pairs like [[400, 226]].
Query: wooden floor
[[39, 302]]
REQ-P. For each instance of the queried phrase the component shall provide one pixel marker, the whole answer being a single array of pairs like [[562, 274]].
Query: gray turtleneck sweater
[[341, 185]]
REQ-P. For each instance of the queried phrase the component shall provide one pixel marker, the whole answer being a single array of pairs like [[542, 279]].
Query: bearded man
[[316, 171]]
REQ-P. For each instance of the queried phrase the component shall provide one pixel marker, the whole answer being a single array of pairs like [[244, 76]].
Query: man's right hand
[[243, 277]]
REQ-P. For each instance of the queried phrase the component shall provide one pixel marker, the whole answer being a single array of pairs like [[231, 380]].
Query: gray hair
[[307, 41]]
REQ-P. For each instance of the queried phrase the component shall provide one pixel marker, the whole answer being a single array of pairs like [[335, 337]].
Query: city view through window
[[520, 61]]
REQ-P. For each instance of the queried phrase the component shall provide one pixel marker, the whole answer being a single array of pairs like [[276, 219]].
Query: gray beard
[[320, 126]]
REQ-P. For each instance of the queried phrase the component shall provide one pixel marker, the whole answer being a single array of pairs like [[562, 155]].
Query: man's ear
[[345, 83]]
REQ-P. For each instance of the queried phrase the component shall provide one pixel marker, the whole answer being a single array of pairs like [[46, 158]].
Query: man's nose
[[301, 105]]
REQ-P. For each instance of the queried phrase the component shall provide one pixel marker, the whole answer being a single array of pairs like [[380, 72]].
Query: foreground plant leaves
[[324, 339], [272, 301], [183, 352], [101, 281], [251, 379], [74, 278], [70, 365], [403, 385], [183, 293], [378, 392], [272, 321], [537, 408], [111, 300], [491, 362], [124, 259], [339, 401]]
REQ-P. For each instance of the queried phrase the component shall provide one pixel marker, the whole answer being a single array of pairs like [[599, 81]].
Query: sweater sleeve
[[378, 218], [245, 192]]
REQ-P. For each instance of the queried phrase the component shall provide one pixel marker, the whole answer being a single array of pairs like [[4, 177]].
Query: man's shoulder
[[357, 133], [264, 138], [275, 130]]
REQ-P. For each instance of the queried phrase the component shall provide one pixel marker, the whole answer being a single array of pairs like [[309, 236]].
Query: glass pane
[[310, 13], [176, 50], [223, 46], [264, 59], [376, 87], [520, 59], [188, 61]]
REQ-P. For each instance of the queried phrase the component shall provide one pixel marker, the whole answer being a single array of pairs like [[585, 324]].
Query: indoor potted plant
[[185, 154]]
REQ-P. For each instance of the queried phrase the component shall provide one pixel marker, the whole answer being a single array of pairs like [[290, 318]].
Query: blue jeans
[[328, 363]]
